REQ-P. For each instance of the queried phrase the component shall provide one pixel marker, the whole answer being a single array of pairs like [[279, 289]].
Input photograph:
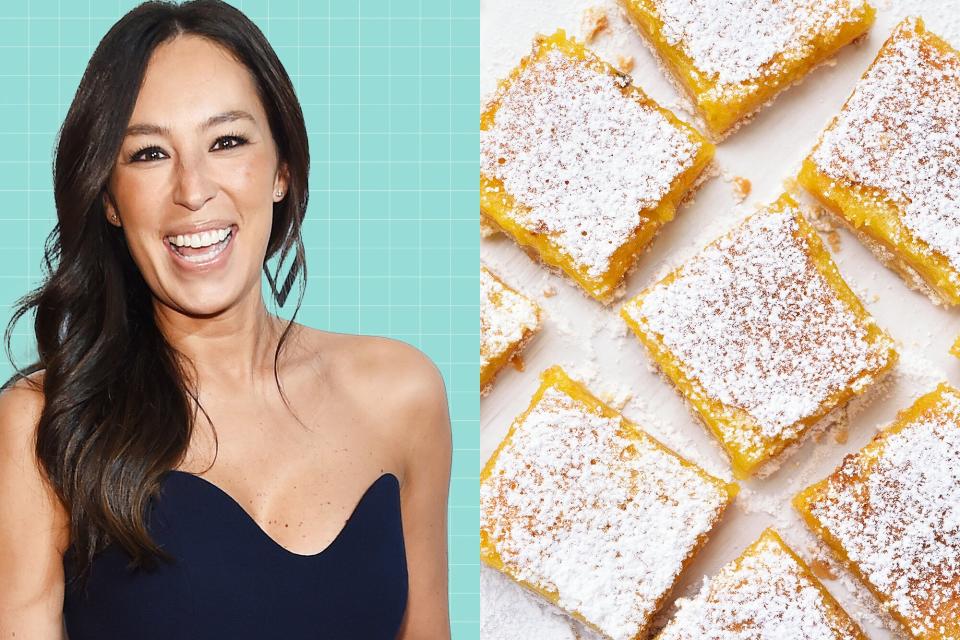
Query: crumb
[[822, 569], [549, 291], [619, 293], [617, 399], [486, 229], [517, 362], [594, 22], [823, 222], [833, 239], [624, 64], [741, 188], [841, 433], [818, 217]]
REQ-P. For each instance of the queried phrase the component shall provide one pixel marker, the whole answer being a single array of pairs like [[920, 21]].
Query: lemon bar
[[768, 593], [761, 336], [580, 167], [888, 165], [581, 506], [508, 319], [731, 57], [892, 513]]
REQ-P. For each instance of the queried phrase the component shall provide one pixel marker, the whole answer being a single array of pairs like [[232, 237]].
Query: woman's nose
[[193, 186]]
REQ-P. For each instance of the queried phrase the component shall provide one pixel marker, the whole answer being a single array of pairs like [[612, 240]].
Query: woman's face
[[198, 156]]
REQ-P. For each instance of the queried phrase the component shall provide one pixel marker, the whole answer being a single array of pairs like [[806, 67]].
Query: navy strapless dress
[[232, 580]]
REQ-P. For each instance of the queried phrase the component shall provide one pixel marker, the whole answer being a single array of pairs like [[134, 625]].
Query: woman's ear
[[110, 209], [281, 182]]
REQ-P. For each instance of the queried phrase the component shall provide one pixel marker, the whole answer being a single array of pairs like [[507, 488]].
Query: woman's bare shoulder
[[402, 382], [34, 525], [33, 381], [388, 377], [383, 366], [21, 404]]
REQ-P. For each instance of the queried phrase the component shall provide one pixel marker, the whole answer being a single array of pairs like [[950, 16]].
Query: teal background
[[390, 92]]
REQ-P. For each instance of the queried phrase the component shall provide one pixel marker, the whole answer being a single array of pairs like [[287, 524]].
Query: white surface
[[593, 344]]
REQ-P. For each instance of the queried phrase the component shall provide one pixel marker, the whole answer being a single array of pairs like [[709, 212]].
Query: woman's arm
[[426, 487], [33, 527]]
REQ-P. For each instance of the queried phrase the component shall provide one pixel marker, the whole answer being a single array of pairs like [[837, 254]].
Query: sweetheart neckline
[[263, 533]]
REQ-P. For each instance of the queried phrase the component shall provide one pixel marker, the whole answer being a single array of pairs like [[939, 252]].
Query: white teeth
[[197, 240], [207, 256]]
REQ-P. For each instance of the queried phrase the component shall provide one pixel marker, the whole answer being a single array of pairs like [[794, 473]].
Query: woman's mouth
[[201, 250]]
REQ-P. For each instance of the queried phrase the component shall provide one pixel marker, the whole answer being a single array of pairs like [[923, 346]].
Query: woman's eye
[[149, 152], [230, 141]]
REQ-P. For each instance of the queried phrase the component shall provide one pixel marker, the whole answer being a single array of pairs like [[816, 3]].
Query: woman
[[179, 462]]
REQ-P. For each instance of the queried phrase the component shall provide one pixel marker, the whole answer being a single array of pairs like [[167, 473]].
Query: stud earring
[[279, 194]]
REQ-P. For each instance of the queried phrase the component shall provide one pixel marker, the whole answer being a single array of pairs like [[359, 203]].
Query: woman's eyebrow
[[145, 129]]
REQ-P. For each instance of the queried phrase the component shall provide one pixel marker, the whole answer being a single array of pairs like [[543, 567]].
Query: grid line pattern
[[390, 92]]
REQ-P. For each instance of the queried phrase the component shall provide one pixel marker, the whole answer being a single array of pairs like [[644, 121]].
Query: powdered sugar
[[509, 612], [733, 41], [602, 516], [900, 132], [757, 325], [939, 16], [505, 317], [579, 157], [764, 595], [895, 509]]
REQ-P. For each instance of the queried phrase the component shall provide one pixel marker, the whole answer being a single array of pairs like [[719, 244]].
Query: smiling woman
[[317, 506]]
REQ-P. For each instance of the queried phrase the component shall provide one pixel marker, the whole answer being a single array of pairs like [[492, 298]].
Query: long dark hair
[[118, 401]]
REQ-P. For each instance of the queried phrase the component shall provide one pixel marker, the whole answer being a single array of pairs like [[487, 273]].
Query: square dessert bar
[[888, 165], [768, 592], [761, 336], [508, 319], [892, 513], [580, 167], [731, 57], [581, 506]]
